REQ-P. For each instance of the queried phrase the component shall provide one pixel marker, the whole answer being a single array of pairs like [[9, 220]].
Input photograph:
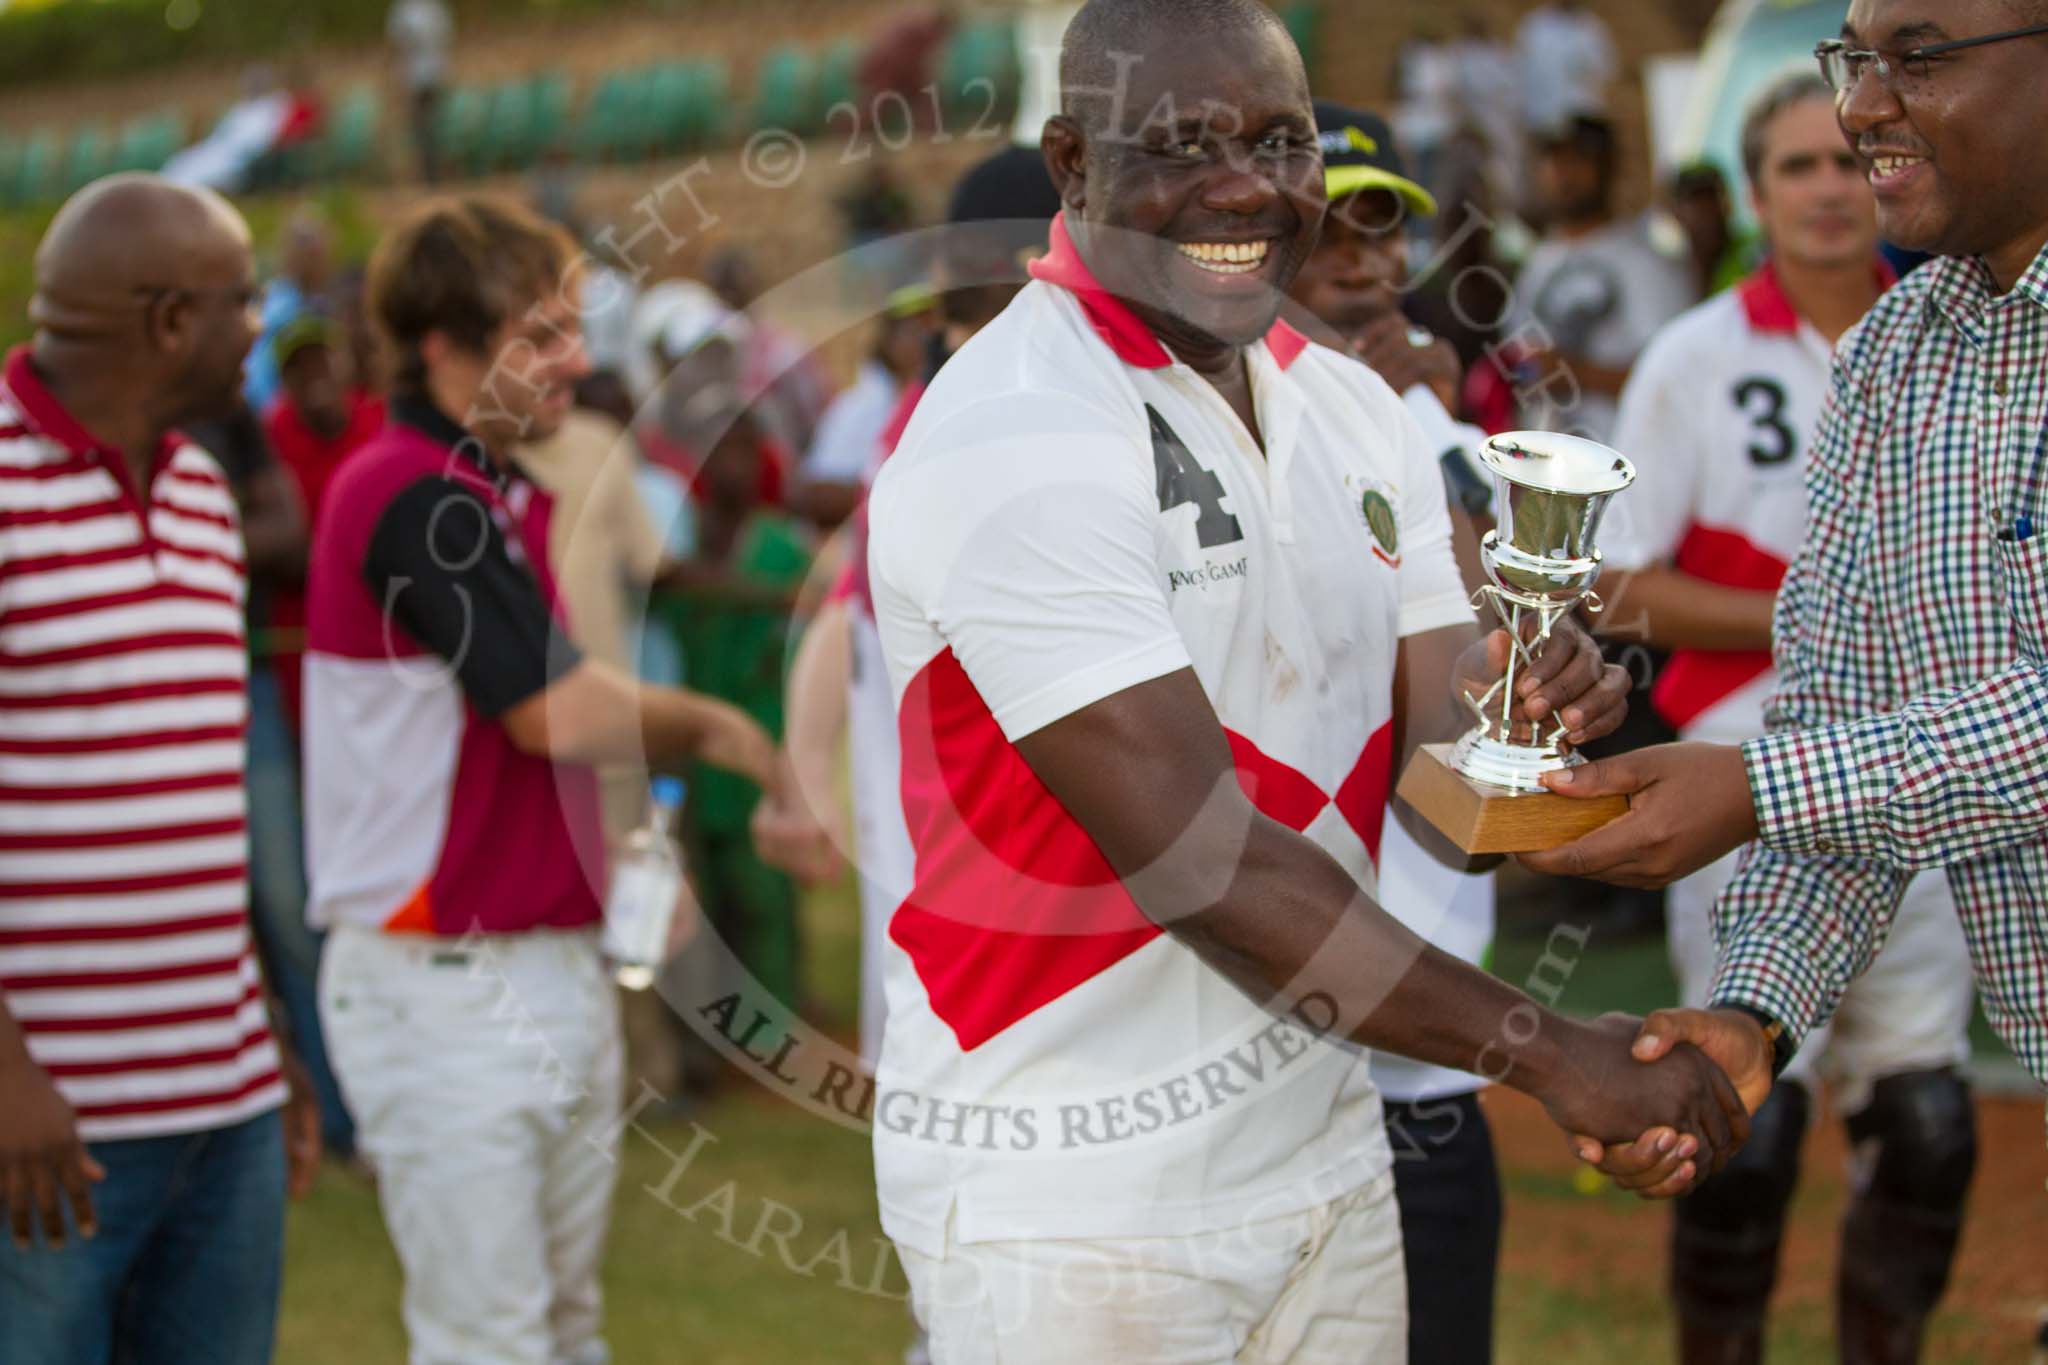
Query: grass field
[[1582, 1282]]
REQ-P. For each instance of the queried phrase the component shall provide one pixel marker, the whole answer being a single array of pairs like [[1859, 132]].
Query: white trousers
[[485, 1080], [1909, 1012], [1327, 1285]]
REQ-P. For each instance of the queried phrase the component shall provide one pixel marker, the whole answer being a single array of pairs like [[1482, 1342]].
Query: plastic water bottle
[[647, 877]]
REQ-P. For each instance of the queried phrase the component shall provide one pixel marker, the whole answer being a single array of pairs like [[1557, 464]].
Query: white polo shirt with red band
[[125, 954], [1716, 416], [1072, 512]]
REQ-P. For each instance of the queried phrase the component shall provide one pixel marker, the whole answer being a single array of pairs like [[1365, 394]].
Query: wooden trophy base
[[1483, 819]]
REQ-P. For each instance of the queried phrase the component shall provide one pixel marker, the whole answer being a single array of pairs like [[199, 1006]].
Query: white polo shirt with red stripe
[[1072, 512], [1716, 417], [125, 954]]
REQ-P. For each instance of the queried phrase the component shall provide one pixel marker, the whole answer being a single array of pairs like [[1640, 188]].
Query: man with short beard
[[1719, 411], [1146, 570], [142, 1157], [1910, 630]]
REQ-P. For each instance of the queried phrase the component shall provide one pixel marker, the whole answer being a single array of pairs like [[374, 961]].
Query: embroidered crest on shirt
[[1379, 519]]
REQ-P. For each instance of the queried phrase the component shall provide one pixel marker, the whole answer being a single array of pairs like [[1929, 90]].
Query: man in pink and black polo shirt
[[142, 1157], [451, 812]]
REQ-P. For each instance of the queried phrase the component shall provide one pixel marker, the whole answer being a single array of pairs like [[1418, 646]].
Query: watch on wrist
[[1783, 1048]]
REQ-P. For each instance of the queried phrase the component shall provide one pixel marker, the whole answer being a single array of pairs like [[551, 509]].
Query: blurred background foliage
[[97, 38]]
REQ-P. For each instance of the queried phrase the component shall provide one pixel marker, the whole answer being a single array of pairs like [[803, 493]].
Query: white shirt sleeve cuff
[[1065, 696], [1436, 613]]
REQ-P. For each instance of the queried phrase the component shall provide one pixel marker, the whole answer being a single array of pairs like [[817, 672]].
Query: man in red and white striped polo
[[142, 1156]]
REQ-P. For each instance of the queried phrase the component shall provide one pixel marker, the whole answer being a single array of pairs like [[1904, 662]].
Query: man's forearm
[[600, 714], [816, 703], [1294, 932], [14, 1052], [1779, 958], [676, 725], [1949, 776], [1673, 610]]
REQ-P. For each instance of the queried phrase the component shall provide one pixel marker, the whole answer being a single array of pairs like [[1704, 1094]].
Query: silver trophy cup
[[1550, 492]]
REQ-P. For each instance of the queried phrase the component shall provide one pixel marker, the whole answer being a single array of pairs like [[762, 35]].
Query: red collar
[[1112, 318], [42, 413], [1769, 308]]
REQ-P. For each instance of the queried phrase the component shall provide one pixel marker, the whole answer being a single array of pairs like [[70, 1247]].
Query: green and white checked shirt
[[1911, 729]]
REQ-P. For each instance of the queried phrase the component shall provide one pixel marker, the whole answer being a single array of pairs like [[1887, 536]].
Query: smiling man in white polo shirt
[[1166, 593]]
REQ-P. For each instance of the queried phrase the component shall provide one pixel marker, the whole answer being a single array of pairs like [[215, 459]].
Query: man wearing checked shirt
[[1912, 632]]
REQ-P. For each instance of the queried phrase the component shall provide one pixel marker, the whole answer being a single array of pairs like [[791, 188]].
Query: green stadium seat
[[36, 174], [525, 119], [350, 142], [836, 83], [146, 143], [686, 106], [506, 130], [782, 91], [551, 94], [458, 127], [714, 100], [90, 157], [984, 51], [667, 109], [612, 127]]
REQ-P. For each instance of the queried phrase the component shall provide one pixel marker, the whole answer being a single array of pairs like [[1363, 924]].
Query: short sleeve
[[1658, 429], [445, 573], [1433, 595], [1033, 557]]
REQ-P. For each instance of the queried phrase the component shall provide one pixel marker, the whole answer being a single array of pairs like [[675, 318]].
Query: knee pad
[[1918, 1138], [1725, 1235], [1915, 1153]]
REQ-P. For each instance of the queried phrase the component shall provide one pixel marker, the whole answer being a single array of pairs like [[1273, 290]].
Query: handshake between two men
[[1148, 774], [1689, 804], [1658, 1103]]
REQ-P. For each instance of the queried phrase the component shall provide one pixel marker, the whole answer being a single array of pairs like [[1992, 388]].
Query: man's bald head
[[125, 237], [1185, 157], [1108, 35], [152, 281]]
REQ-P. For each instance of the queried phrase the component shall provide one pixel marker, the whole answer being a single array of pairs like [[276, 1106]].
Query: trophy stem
[[1507, 700], [1486, 792], [1490, 754]]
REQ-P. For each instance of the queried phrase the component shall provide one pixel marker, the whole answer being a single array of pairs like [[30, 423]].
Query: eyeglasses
[[1843, 66]]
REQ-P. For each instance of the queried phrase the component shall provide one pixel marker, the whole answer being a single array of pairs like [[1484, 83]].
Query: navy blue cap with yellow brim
[[1359, 154], [1339, 181]]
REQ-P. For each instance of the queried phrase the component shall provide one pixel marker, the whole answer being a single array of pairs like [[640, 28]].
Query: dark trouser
[[751, 906], [185, 1269], [1915, 1151], [1448, 1187]]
